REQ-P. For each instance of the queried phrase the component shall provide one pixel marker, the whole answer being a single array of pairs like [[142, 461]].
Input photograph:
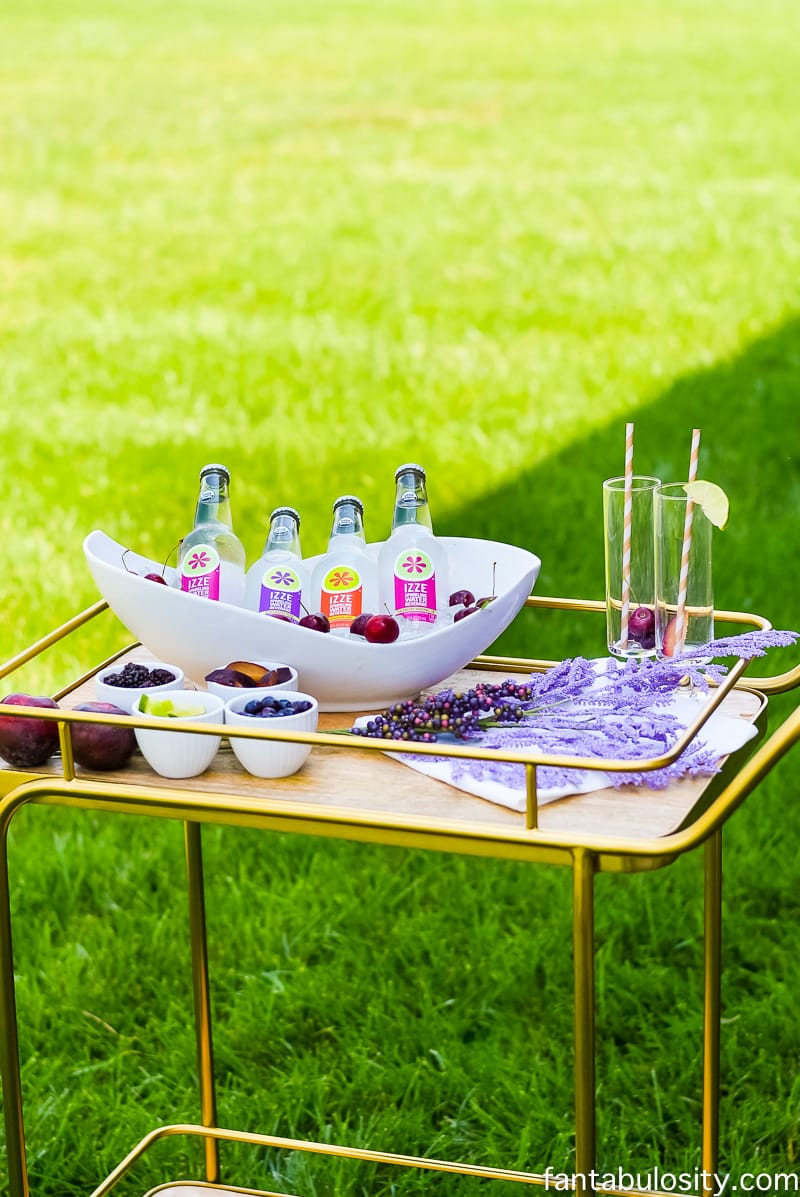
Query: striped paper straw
[[627, 513], [683, 581]]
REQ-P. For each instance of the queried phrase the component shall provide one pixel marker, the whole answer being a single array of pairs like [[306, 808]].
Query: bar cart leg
[[202, 1003], [583, 869], [712, 1011], [9, 1042]]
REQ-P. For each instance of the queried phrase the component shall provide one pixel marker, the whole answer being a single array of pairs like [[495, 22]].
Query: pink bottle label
[[200, 572], [415, 586], [280, 592]]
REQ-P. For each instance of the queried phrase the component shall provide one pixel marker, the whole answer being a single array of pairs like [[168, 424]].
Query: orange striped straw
[[683, 581], [627, 519]]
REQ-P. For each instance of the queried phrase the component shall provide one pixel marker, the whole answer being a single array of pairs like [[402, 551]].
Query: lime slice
[[712, 499], [166, 708]]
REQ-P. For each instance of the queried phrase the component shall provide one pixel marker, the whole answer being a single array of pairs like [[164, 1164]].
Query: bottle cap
[[349, 499], [409, 468], [285, 511], [216, 469]]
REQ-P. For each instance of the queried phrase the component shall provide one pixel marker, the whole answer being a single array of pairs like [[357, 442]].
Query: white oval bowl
[[227, 692], [344, 673], [176, 752], [270, 758], [127, 697]]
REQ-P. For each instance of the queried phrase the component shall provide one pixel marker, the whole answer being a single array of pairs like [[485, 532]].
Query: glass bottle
[[412, 564], [274, 583], [211, 558], [344, 582]]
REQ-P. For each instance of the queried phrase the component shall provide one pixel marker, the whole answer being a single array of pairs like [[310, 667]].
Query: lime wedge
[[712, 499], [166, 708]]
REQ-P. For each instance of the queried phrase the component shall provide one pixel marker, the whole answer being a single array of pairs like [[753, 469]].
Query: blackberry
[[160, 677], [133, 676]]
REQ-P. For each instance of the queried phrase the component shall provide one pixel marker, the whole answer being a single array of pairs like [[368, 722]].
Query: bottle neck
[[411, 503], [213, 502], [348, 527], [284, 536]]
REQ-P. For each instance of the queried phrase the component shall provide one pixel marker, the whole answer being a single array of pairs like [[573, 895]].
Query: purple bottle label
[[200, 572], [415, 586], [280, 592]]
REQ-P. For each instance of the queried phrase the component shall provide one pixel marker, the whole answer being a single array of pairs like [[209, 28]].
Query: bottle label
[[280, 592], [200, 571], [415, 586], [341, 595]]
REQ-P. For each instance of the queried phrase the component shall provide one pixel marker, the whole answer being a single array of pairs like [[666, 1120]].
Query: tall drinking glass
[[640, 640], [697, 624]]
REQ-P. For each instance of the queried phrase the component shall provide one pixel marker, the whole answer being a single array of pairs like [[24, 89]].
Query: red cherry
[[360, 622], [381, 629], [156, 578], [462, 598], [464, 612], [668, 639], [642, 627], [317, 623]]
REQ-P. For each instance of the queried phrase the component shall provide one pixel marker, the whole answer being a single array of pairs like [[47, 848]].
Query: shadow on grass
[[747, 409]]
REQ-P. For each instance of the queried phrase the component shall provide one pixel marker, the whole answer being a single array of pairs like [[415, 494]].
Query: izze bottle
[[274, 583], [211, 558], [412, 564], [344, 582]]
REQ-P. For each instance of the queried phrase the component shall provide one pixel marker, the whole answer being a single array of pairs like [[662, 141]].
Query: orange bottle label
[[341, 595]]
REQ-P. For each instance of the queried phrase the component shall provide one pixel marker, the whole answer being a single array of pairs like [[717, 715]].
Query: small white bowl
[[127, 697], [178, 753], [270, 758], [228, 692]]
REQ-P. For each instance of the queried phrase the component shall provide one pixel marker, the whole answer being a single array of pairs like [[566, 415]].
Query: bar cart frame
[[585, 850]]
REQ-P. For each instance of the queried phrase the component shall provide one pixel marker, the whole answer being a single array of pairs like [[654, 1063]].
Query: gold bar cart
[[351, 790]]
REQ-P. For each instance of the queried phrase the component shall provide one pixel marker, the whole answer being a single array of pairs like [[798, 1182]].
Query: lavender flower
[[613, 713]]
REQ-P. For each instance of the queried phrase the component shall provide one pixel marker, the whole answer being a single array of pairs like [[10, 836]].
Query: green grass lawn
[[312, 241]]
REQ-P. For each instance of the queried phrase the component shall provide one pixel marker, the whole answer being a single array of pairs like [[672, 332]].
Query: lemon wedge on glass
[[712, 499]]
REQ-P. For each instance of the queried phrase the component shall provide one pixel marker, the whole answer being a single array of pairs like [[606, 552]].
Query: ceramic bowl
[[270, 758], [226, 692], [177, 752], [127, 697], [345, 673]]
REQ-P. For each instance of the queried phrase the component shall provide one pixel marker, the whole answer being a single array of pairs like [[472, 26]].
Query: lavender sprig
[[747, 645]]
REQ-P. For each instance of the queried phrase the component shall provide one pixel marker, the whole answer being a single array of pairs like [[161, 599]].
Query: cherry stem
[[169, 554]]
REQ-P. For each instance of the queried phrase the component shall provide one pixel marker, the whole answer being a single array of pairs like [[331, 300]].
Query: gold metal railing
[[585, 852]]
